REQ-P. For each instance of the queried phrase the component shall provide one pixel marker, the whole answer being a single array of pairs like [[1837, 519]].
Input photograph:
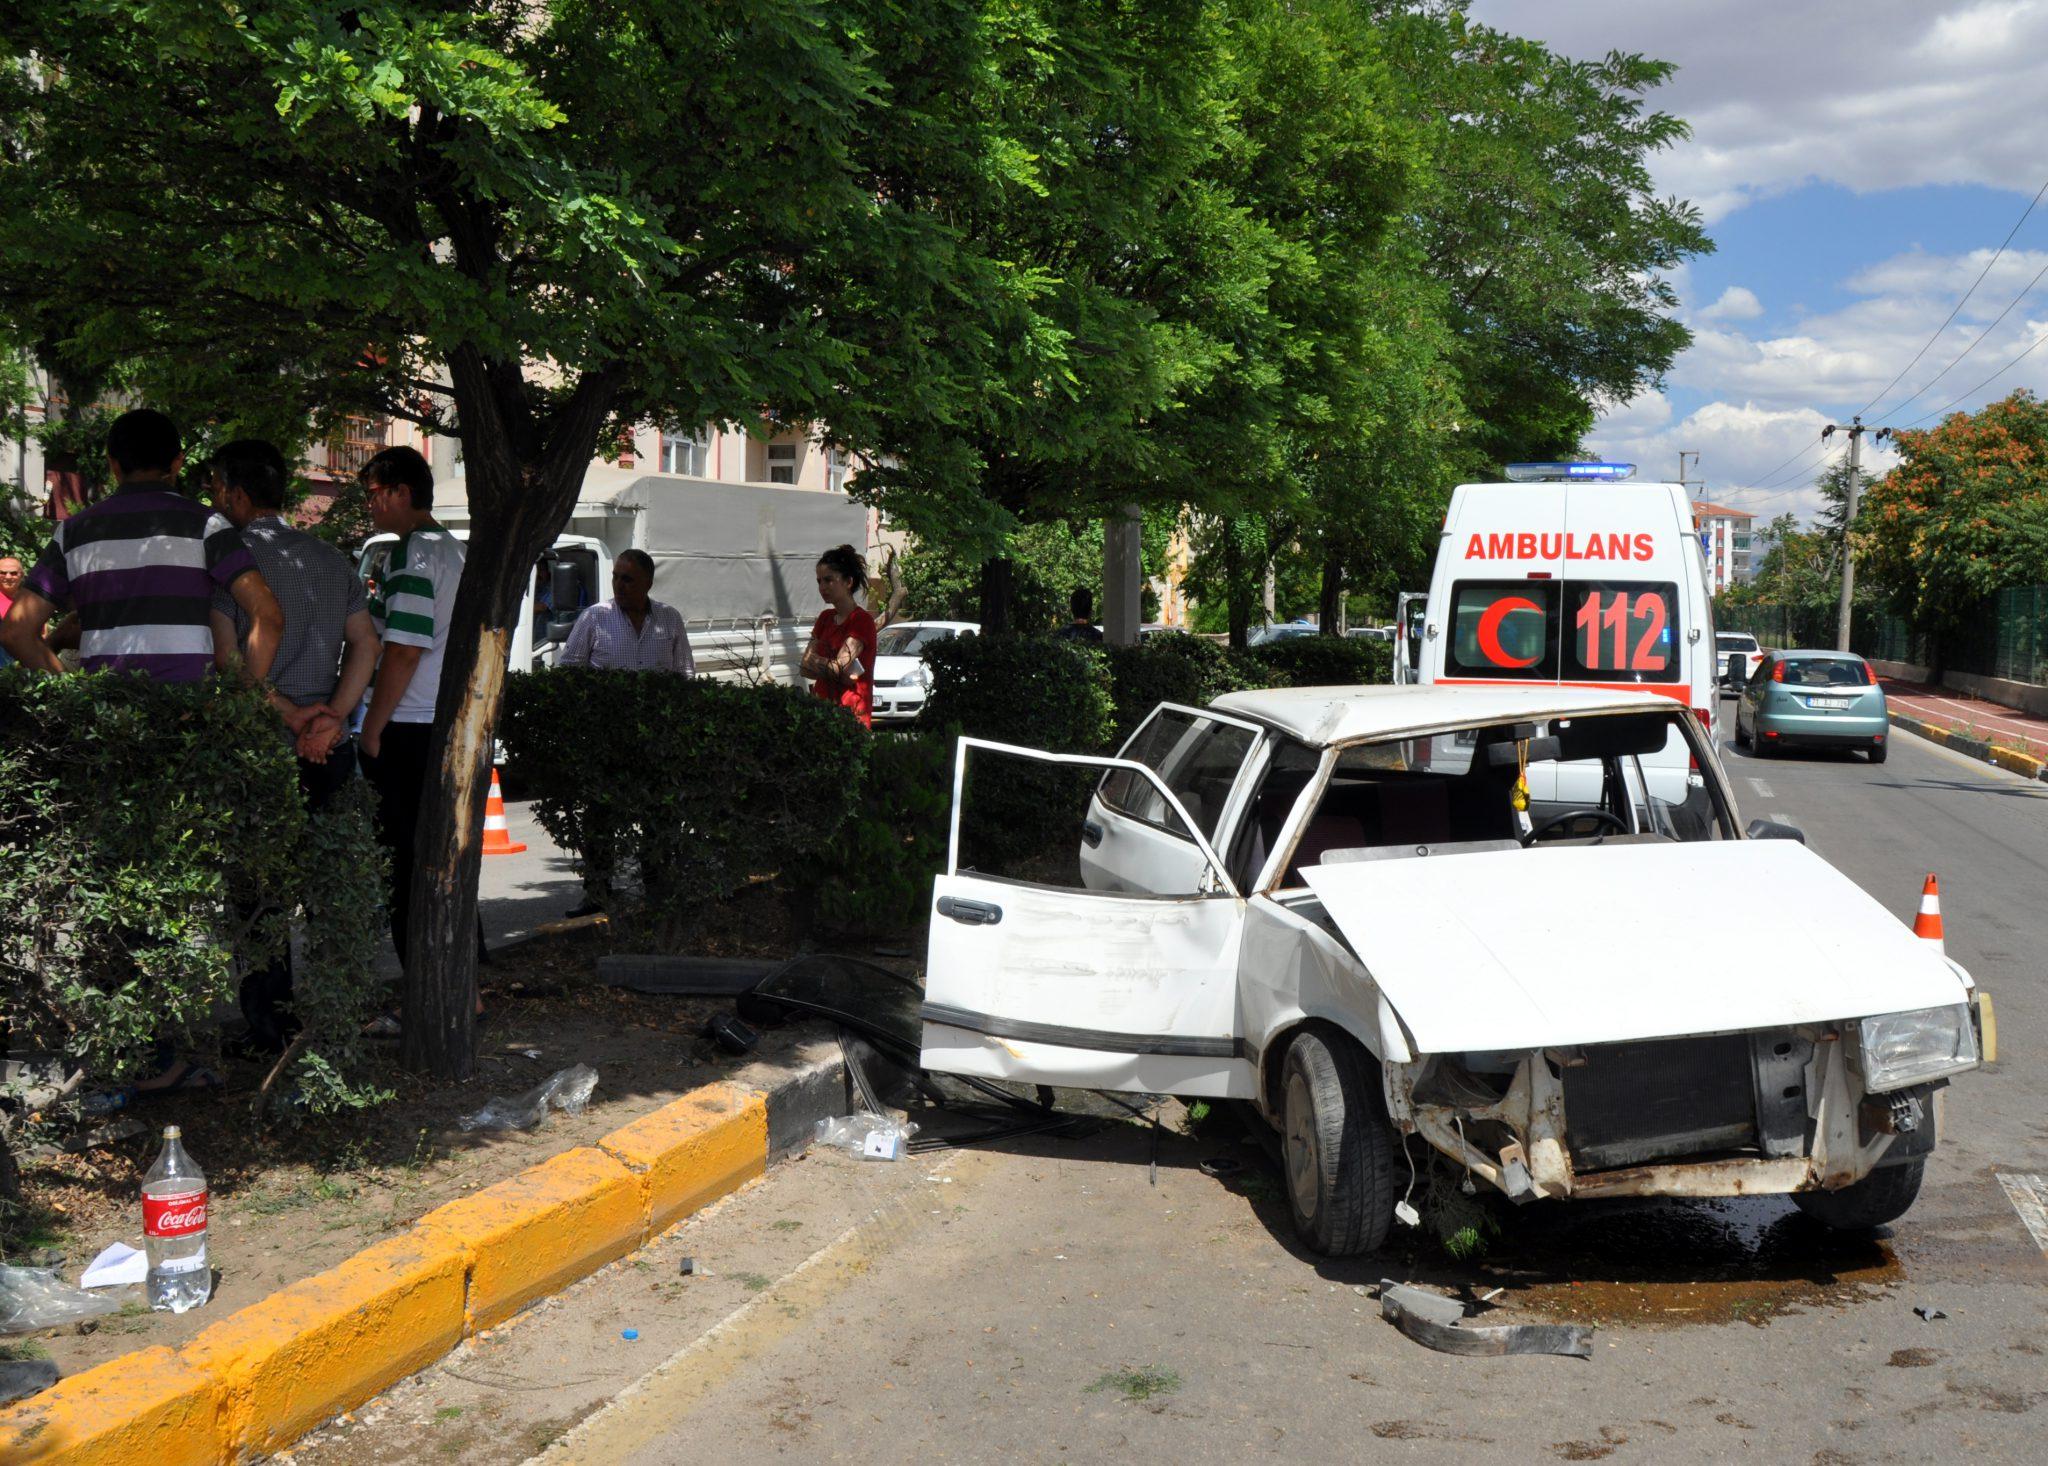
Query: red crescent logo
[[1489, 631]]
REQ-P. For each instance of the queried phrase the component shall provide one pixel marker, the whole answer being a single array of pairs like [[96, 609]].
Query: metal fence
[[2004, 635]]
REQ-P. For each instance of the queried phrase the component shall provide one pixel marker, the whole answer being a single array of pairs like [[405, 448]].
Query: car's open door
[[1048, 982]]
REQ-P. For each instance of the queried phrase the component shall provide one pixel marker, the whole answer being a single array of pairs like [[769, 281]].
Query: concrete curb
[[261, 1378], [2011, 759]]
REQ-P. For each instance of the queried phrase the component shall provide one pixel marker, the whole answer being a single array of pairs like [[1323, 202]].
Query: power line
[[2038, 340], [1956, 311], [1974, 344], [1762, 478]]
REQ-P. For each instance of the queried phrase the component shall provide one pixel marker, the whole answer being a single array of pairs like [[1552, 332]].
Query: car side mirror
[[1772, 830], [1737, 672]]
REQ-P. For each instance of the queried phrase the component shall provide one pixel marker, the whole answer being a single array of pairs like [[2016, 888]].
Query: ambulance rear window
[[1503, 628], [1580, 630]]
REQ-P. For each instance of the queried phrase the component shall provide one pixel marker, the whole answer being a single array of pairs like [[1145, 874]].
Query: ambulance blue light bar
[[1550, 473]]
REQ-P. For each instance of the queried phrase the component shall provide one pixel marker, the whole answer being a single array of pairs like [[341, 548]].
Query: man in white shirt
[[628, 633], [631, 632]]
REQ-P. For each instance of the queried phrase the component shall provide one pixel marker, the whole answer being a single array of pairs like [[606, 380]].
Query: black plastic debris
[[689, 1267], [1436, 1323], [1928, 1313], [1222, 1167], [20, 1378], [730, 1034]]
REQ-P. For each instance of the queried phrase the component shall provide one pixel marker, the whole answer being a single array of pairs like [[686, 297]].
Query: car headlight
[[1899, 1049], [922, 677]]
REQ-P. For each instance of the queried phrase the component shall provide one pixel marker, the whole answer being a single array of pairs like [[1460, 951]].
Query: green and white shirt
[[414, 605]]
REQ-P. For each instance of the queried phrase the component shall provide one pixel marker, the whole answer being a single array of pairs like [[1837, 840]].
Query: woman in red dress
[[841, 656]]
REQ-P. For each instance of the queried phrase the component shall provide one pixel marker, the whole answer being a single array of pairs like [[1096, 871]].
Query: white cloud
[[1881, 94], [1736, 304]]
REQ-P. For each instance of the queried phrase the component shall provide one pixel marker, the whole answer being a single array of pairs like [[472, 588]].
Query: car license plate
[[1828, 702]]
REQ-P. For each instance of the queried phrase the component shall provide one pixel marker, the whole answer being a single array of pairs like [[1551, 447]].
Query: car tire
[[1877, 754], [1337, 1145], [1880, 1197], [1741, 738]]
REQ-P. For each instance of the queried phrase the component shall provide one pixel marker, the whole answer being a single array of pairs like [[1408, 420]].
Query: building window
[[782, 463], [357, 439], [838, 464], [685, 452]]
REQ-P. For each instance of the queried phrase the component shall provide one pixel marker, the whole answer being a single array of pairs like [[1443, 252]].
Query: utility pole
[[1684, 454], [1855, 430]]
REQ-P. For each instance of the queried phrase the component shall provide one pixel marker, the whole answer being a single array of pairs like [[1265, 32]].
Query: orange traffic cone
[[498, 835], [1927, 925]]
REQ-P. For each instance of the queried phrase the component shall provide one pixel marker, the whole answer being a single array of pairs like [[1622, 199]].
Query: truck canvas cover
[[1524, 949]]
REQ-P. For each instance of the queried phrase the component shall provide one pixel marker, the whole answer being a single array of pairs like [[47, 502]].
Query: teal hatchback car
[[1812, 700]]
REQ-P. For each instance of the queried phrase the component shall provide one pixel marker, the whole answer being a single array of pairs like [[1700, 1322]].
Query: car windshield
[[1456, 792], [1824, 672], [908, 641]]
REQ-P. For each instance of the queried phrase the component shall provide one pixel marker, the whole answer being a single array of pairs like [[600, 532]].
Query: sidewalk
[[1990, 731], [516, 893]]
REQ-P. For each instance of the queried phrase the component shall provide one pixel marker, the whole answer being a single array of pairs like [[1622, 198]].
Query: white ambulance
[[1573, 575]]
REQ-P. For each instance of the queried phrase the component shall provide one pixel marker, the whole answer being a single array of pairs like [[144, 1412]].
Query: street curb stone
[[2024, 764], [262, 1377]]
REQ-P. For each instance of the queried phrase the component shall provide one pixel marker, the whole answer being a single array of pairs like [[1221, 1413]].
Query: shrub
[[878, 879], [1034, 691], [1175, 668], [1326, 661], [140, 824], [706, 786]]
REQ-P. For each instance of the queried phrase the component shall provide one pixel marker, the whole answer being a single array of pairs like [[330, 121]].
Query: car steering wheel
[[1598, 817]]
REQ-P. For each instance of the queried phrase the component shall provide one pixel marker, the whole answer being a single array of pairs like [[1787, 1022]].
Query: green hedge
[[879, 879], [138, 823], [1175, 668], [1326, 661], [704, 786]]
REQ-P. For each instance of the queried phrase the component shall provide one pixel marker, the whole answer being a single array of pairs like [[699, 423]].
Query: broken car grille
[[1631, 1104]]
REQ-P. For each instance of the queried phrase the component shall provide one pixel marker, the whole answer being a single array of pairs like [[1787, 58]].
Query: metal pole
[[1849, 518]]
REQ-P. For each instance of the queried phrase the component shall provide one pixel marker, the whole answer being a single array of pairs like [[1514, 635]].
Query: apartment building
[[1726, 536]]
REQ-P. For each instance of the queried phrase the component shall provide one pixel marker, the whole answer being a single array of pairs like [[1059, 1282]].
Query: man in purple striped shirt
[[139, 567]]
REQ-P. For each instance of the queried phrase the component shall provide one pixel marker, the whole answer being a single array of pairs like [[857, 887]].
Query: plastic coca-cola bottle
[[174, 1229]]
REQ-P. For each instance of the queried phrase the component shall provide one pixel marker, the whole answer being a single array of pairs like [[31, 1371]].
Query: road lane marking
[[2029, 1197], [652, 1407], [1763, 790]]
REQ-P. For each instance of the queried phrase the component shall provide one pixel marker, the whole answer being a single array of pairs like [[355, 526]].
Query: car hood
[[1540, 948]]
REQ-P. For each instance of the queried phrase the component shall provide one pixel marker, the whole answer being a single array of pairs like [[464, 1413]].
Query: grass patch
[[21, 1352], [1137, 1385], [752, 1282], [785, 1225], [447, 1412]]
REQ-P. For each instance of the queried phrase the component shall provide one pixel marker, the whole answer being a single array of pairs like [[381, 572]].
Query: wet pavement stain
[[1668, 1263]]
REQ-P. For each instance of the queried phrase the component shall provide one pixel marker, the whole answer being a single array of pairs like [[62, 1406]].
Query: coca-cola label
[[174, 1216]]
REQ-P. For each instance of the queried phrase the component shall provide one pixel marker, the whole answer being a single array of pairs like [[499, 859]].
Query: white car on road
[[1333, 903], [1727, 646], [902, 681]]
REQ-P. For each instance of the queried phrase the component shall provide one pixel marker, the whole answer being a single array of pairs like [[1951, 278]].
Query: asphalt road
[[1049, 1300]]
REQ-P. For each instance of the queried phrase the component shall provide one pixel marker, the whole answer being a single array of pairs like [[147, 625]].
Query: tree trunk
[[998, 596], [1331, 609], [523, 480], [1238, 590]]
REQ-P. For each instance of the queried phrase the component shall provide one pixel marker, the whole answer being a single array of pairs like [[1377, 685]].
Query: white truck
[[736, 559]]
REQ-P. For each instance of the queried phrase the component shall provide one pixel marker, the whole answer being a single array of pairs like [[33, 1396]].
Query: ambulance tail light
[[1706, 717]]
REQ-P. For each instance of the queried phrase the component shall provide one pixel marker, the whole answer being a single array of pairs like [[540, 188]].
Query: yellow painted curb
[[329, 1342], [2015, 761], [694, 1150], [543, 1229], [262, 1377], [146, 1407]]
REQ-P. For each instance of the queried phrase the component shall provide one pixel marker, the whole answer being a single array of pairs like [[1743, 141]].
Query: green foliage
[[1191, 670], [1325, 661], [1965, 513], [879, 879], [1051, 561], [140, 824], [705, 786]]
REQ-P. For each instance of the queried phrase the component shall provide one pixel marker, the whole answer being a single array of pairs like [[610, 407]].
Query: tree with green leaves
[[1964, 514], [524, 223]]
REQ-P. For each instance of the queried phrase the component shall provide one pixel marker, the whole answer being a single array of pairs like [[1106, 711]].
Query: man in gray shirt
[[323, 663]]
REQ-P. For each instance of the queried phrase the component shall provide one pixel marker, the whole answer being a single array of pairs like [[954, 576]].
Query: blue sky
[[1858, 165]]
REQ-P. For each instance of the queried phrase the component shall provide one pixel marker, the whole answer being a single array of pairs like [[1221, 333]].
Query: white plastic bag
[[567, 1090], [875, 1137], [34, 1298]]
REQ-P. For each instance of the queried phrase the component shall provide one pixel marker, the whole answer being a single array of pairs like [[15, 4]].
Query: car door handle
[[973, 913], [1091, 833]]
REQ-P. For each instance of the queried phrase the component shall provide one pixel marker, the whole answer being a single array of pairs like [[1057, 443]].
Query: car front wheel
[[1338, 1145], [1880, 1197]]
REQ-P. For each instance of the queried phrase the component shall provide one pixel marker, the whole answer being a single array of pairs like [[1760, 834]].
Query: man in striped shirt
[[140, 567]]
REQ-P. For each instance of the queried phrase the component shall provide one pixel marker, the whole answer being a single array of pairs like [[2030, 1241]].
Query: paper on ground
[[120, 1264]]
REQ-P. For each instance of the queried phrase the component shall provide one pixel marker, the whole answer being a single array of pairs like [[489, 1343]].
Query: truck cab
[[573, 573]]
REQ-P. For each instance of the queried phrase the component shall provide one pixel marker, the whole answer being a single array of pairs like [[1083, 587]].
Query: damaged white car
[[1458, 914]]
